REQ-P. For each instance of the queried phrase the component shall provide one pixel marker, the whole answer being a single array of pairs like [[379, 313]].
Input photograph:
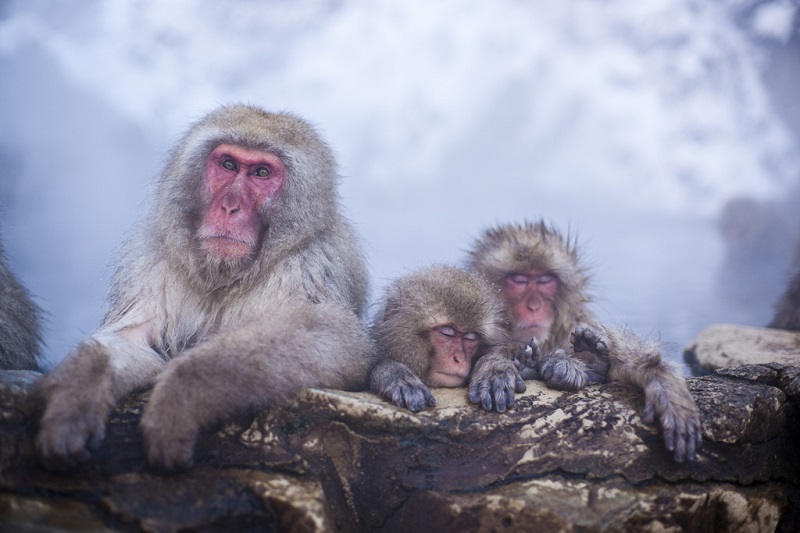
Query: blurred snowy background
[[631, 122]]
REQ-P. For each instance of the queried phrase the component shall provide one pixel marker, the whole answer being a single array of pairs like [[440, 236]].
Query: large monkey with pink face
[[538, 273], [241, 285]]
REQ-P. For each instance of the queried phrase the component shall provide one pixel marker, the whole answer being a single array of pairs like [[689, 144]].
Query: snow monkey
[[538, 272], [241, 285], [787, 309], [443, 327], [20, 323]]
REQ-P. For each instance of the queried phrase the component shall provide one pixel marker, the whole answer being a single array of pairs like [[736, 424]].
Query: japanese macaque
[[20, 323], [241, 285], [443, 327], [538, 271], [787, 310], [757, 258]]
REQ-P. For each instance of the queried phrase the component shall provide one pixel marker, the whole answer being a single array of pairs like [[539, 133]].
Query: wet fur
[[431, 296], [216, 338], [578, 349], [20, 323]]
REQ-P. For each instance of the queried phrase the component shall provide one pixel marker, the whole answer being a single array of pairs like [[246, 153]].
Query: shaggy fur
[[217, 337], [577, 349], [411, 307], [20, 323]]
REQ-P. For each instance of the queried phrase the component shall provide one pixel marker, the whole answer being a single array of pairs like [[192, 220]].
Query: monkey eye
[[544, 279], [447, 331], [261, 172], [471, 336], [519, 279], [228, 164]]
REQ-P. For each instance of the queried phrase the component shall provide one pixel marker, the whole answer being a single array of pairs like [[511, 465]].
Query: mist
[[631, 124]]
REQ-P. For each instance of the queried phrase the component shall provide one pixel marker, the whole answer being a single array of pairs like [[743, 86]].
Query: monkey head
[[238, 184], [538, 273], [438, 321], [242, 186]]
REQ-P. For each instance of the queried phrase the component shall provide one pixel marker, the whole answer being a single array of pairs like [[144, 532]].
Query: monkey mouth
[[445, 379], [530, 330], [226, 247]]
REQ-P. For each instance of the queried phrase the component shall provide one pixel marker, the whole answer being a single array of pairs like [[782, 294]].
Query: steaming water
[[631, 122]]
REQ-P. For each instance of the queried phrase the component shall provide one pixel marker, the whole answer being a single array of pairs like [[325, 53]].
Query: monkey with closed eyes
[[442, 327], [242, 284], [537, 271]]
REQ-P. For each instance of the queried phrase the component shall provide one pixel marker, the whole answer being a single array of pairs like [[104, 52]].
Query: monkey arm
[[493, 382], [638, 362], [80, 392], [263, 362], [397, 383]]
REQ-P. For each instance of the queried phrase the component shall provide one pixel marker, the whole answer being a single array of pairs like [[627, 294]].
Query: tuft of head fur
[[536, 246], [432, 296]]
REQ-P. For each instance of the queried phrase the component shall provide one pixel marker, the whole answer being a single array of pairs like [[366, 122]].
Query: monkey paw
[[678, 416], [526, 358], [64, 442], [169, 447], [66, 435], [593, 350], [408, 391], [563, 372], [494, 382]]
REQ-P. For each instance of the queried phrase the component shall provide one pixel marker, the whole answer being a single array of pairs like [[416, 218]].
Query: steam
[[631, 122]]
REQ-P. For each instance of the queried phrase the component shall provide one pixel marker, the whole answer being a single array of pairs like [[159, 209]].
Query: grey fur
[[787, 309], [431, 296], [216, 337], [578, 349], [20, 323]]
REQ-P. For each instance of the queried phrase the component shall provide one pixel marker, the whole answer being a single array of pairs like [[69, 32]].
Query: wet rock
[[728, 345], [557, 461]]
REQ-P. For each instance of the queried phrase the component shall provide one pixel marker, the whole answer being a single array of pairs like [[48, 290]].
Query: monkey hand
[[563, 372], [525, 360], [69, 429], [398, 384], [667, 398], [494, 381], [592, 349], [169, 430], [168, 448]]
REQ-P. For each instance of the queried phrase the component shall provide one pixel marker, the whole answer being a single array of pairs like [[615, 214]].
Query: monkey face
[[237, 185], [530, 297], [452, 355]]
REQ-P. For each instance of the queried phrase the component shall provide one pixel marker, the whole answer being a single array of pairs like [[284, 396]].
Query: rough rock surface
[[728, 345], [557, 461]]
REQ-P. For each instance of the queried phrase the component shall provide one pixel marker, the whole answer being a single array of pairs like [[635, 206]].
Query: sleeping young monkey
[[442, 327]]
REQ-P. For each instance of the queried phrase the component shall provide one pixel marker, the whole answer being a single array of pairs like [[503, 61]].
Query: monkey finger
[[519, 384], [429, 399], [680, 447], [510, 398], [415, 399], [499, 398], [486, 401]]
